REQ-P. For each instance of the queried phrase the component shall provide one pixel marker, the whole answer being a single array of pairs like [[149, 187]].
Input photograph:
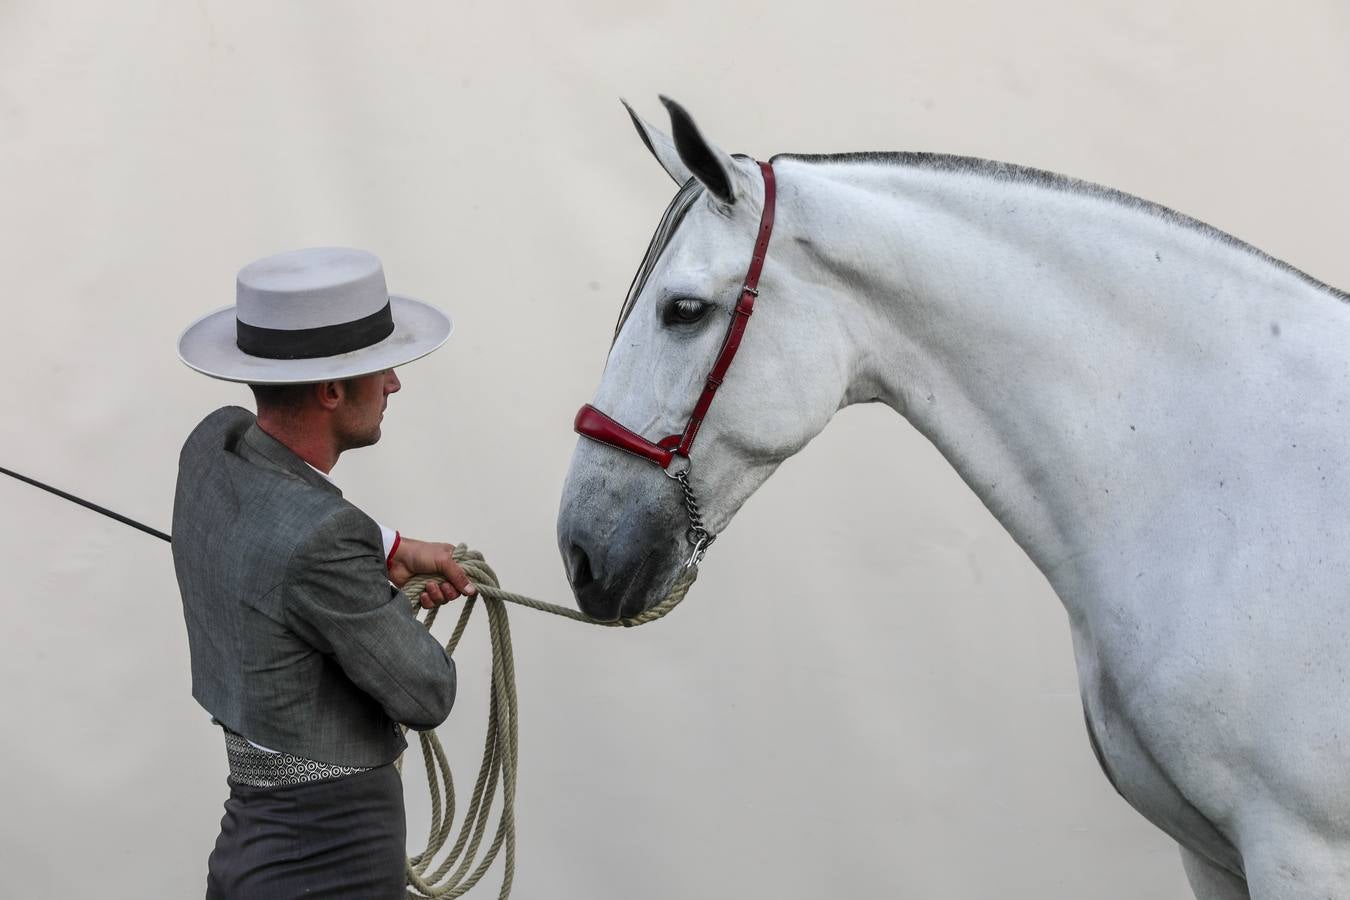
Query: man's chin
[[357, 441]]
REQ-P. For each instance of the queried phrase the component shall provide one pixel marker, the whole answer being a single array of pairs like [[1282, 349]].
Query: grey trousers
[[340, 838]]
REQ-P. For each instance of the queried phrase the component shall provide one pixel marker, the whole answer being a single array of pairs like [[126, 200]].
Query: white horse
[[1153, 409]]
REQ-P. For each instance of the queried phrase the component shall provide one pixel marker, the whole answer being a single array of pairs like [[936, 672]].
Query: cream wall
[[869, 693]]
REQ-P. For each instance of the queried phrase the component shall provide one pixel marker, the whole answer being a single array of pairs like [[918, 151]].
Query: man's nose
[[392, 384]]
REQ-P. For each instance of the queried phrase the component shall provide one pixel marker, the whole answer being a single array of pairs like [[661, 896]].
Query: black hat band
[[310, 343]]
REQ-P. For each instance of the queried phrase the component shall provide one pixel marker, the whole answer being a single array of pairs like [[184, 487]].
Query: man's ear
[[328, 394]]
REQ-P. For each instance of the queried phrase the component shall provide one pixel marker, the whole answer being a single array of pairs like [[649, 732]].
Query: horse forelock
[[679, 207]]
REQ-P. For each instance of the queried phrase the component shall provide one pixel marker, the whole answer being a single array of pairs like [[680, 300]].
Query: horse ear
[[661, 146], [704, 161]]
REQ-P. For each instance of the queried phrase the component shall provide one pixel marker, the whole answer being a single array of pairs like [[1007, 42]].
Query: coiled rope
[[457, 873]]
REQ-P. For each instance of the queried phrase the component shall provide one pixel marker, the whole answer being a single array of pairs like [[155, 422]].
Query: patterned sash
[[259, 768]]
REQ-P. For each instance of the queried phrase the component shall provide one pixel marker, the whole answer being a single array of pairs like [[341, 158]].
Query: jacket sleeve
[[339, 600]]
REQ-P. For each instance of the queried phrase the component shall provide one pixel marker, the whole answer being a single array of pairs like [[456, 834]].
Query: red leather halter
[[597, 426]]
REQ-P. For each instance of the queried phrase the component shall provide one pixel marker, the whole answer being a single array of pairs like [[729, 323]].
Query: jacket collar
[[269, 450]]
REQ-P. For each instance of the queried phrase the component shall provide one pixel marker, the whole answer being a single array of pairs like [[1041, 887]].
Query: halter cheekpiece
[[597, 426]]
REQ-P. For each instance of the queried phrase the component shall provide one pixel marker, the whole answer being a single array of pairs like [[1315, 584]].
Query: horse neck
[[1077, 358]]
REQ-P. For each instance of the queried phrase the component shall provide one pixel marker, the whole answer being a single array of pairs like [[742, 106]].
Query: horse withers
[[1153, 410]]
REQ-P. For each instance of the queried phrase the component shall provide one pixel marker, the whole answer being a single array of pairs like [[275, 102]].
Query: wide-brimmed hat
[[312, 315]]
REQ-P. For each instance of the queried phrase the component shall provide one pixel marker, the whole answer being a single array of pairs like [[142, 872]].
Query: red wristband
[[389, 563]]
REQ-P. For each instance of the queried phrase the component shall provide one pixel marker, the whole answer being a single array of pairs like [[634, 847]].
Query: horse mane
[[1002, 171]]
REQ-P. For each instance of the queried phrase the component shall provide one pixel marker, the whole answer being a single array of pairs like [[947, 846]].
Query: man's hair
[[288, 397]]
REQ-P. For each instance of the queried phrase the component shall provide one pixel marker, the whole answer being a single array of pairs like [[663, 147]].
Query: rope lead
[[499, 747]]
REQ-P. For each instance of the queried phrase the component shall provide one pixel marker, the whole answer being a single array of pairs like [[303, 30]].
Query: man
[[302, 649]]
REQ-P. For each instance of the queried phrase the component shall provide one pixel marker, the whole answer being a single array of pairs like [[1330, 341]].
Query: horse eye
[[685, 311]]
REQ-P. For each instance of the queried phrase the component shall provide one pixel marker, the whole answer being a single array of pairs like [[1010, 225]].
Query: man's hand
[[414, 557]]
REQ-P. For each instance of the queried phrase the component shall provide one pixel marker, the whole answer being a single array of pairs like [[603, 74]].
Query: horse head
[[623, 530]]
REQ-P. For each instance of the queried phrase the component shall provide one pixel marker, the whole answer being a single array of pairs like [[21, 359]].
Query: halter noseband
[[597, 426]]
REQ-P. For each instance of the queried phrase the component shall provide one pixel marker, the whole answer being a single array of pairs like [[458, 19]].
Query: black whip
[[87, 505]]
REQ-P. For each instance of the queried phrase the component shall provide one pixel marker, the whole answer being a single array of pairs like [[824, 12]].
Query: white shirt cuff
[[387, 535]]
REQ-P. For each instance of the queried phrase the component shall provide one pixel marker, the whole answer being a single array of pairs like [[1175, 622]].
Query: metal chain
[[697, 533]]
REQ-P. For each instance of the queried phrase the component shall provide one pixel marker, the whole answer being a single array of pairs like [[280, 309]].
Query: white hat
[[312, 315]]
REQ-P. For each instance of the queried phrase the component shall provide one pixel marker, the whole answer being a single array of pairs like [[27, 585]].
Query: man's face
[[358, 417]]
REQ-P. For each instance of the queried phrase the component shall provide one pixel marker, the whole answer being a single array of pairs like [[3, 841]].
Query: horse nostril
[[582, 576]]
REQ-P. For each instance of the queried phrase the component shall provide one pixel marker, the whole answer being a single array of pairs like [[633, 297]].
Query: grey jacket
[[298, 641]]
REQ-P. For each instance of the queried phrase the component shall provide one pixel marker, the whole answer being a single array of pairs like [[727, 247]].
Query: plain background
[[870, 692]]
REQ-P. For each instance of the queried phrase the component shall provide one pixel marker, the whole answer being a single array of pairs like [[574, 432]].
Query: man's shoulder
[[222, 429], [231, 496]]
